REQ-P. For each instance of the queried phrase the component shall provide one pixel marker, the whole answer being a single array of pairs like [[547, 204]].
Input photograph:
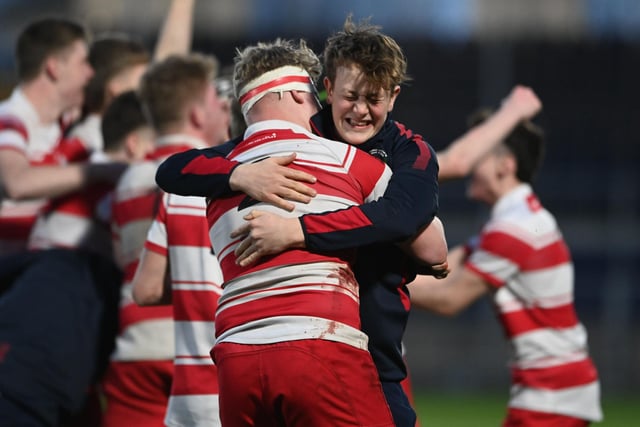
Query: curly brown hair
[[363, 44], [255, 60]]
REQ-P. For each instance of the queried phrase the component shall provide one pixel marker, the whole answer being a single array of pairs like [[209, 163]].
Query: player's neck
[[44, 100]]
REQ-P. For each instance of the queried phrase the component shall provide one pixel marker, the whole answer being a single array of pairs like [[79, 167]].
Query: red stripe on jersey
[[558, 377], [81, 203], [342, 220], [14, 124], [529, 319], [130, 270], [160, 153], [231, 270], [330, 305], [136, 208], [188, 230], [492, 280], [16, 228], [73, 150], [422, 161], [203, 165], [133, 313], [195, 305], [525, 256], [266, 137], [155, 248], [194, 379]]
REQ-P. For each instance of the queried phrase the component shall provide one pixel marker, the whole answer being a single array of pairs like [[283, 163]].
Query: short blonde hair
[[255, 60]]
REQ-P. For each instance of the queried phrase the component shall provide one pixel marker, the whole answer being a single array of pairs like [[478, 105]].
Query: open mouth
[[358, 123]]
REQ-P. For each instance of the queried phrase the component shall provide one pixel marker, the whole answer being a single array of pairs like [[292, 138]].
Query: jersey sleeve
[[198, 172], [157, 240], [13, 134], [409, 203]]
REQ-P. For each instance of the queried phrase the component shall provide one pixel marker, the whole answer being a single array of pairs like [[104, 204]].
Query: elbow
[[144, 297]]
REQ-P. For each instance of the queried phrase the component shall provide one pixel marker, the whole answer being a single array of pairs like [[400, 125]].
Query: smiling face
[[359, 110]]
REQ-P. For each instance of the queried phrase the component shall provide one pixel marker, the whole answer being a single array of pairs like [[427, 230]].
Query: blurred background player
[[51, 57], [178, 92], [119, 61], [58, 319], [177, 264], [521, 260]]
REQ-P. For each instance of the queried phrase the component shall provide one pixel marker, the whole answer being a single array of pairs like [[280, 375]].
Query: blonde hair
[[253, 61]]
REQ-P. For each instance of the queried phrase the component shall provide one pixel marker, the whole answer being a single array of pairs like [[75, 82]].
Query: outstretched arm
[[176, 31], [457, 160]]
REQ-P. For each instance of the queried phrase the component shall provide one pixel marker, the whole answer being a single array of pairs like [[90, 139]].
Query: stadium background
[[582, 57]]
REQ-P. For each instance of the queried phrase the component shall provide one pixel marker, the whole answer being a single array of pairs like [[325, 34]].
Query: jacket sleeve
[[198, 172], [409, 203]]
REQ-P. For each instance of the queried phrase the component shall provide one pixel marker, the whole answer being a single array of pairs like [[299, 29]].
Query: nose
[[360, 106]]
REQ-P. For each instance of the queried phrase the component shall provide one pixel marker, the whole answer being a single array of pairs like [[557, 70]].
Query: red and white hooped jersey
[[146, 333], [21, 130], [180, 232], [522, 253], [296, 294]]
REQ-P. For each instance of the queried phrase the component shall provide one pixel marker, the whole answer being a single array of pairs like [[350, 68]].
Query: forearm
[[430, 246], [457, 160], [177, 30], [45, 181], [409, 204], [203, 173]]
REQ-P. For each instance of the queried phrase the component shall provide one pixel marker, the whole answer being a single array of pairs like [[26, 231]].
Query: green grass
[[451, 410]]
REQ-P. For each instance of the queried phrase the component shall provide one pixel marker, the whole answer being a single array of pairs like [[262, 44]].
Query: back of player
[[305, 303], [180, 233]]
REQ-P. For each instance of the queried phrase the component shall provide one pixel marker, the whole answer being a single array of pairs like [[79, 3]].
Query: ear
[[329, 87], [394, 95], [298, 96], [507, 166], [52, 67], [196, 115]]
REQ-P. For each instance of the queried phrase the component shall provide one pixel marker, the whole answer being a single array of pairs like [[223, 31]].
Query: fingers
[[240, 231], [300, 176]]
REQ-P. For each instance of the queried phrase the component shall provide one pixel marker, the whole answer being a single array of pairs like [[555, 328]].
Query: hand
[[438, 271], [271, 181], [105, 172], [522, 101], [267, 233]]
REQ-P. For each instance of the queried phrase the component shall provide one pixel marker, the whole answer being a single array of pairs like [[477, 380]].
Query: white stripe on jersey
[[283, 280], [573, 401], [290, 328], [547, 347], [145, 340], [195, 264], [194, 338], [193, 410]]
